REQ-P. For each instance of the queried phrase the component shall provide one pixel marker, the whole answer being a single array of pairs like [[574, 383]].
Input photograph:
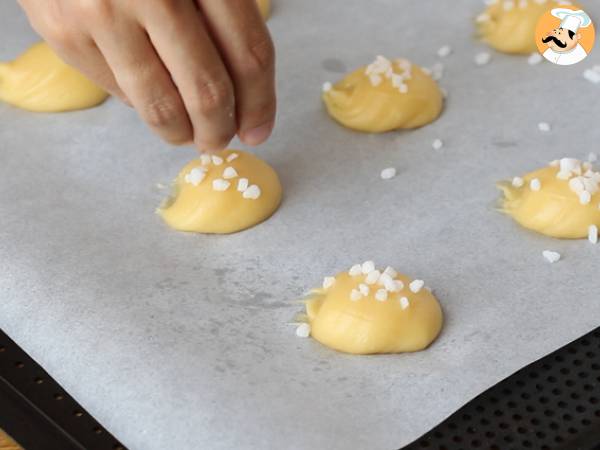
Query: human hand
[[196, 71]]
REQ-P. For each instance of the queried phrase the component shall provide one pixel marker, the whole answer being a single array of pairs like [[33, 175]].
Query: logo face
[[565, 35]]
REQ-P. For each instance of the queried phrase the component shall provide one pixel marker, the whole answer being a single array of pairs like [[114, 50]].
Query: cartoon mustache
[[556, 41]]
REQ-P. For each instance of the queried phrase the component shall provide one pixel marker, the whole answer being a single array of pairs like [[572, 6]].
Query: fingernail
[[257, 135]]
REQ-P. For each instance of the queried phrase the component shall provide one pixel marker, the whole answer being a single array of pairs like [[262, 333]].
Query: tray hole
[[58, 397], [38, 380], [19, 365]]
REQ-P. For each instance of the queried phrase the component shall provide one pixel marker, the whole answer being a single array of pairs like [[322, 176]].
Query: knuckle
[[161, 112], [100, 10], [213, 95], [259, 58], [60, 38]]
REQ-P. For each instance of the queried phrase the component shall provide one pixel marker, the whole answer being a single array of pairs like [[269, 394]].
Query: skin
[[566, 43], [197, 72]]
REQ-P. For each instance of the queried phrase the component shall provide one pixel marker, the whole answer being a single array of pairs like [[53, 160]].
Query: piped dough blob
[[561, 200], [509, 25], [265, 8], [222, 193], [383, 96], [365, 311], [40, 81]]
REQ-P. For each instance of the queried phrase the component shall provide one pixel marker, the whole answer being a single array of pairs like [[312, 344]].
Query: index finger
[[244, 41]]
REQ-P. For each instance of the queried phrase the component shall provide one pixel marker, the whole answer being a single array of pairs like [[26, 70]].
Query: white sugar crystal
[[205, 159], [303, 330], [355, 270], [327, 86], [375, 79], [593, 234], [555, 163], [385, 280], [232, 156], [544, 126], [576, 185], [381, 295], [404, 302], [403, 88], [388, 173], [534, 58], [563, 175], [391, 272], [592, 157], [437, 144], [229, 173], [570, 165], [195, 176], [585, 198], [518, 182], [508, 5], [398, 285], [368, 266], [551, 256], [444, 51], [372, 277], [355, 295], [391, 285], [592, 76], [416, 285], [217, 160], [253, 192], [364, 289], [522, 4], [242, 184], [535, 184], [220, 185], [483, 58], [328, 282]]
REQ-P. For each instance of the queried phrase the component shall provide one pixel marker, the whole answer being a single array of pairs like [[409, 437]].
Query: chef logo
[[565, 35]]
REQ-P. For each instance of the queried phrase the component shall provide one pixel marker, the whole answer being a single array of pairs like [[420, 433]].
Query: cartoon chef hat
[[572, 20]]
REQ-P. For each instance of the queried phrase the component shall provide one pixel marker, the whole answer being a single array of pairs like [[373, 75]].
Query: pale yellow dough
[[555, 210], [509, 25], [360, 103], [202, 209], [265, 8], [40, 81], [370, 326]]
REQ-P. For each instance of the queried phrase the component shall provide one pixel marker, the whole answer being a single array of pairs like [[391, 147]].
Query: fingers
[[243, 39], [74, 47], [143, 78], [181, 39], [90, 61]]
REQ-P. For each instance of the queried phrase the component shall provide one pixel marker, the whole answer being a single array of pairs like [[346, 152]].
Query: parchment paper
[[182, 341]]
